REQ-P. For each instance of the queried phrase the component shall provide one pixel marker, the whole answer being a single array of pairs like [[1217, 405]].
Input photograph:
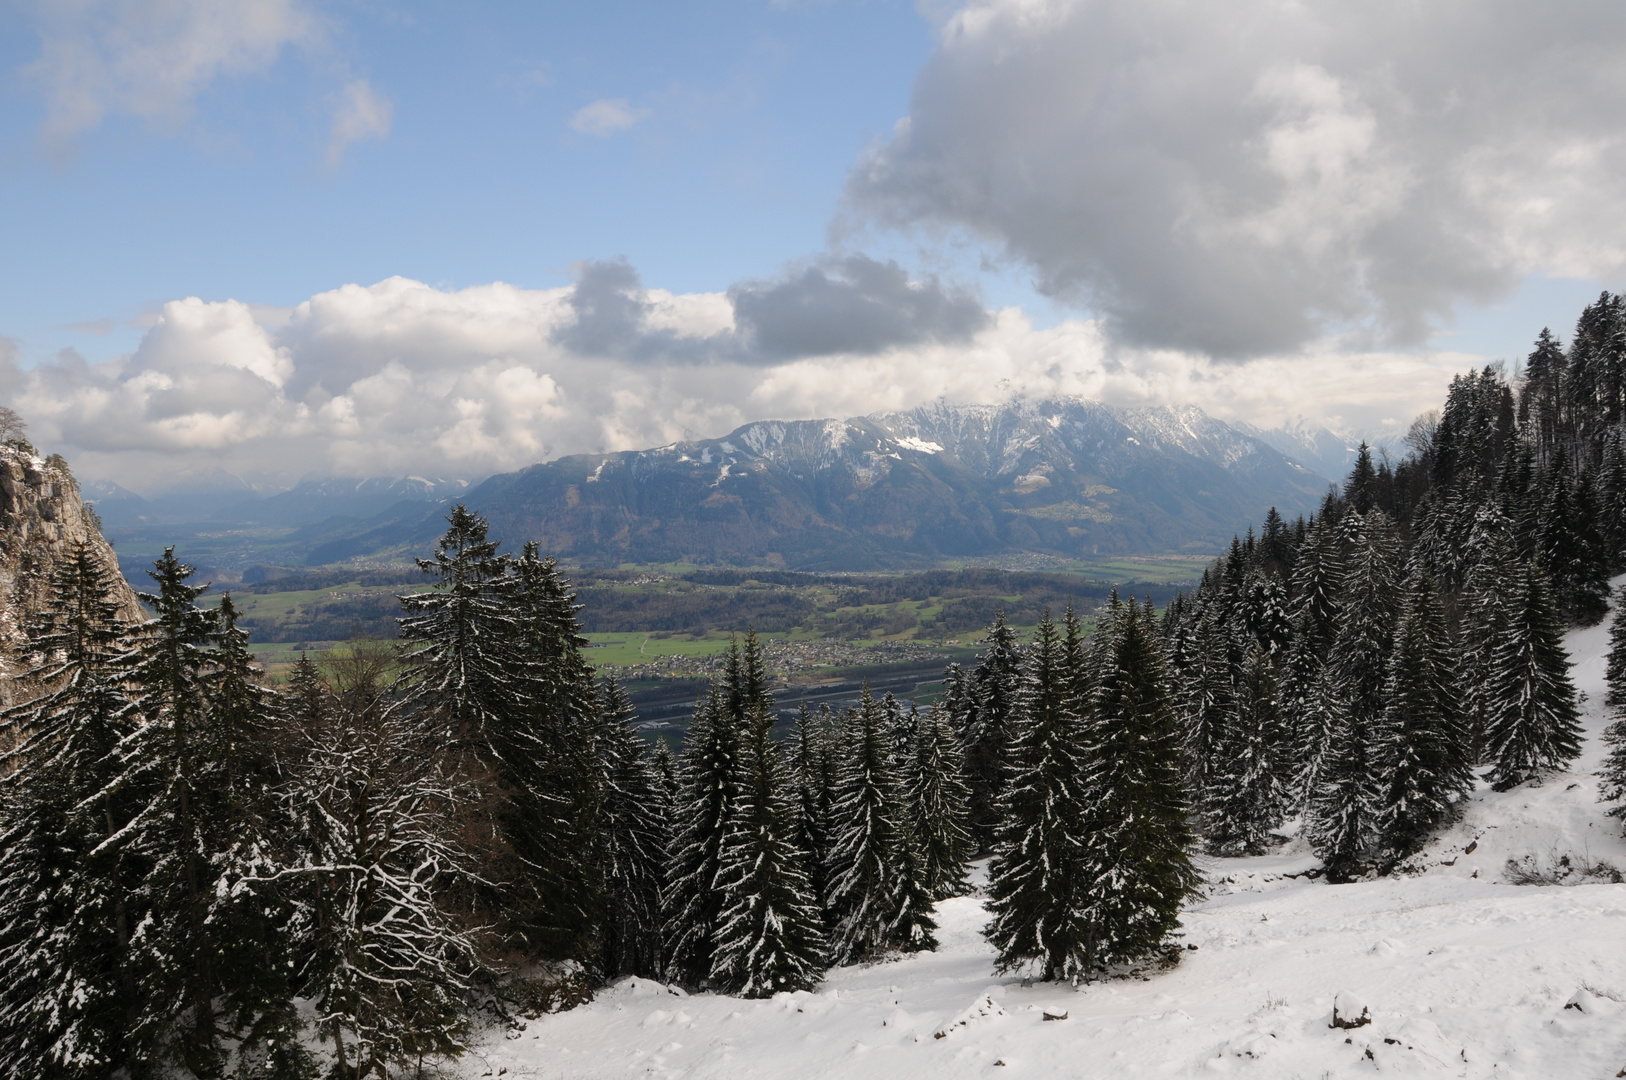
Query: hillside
[[1464, 974]]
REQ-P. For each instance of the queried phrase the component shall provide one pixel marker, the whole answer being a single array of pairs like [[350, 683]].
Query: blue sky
[[749, 116], [820, 208]]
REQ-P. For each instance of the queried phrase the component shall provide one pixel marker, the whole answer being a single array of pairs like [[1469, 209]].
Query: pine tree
[[171, 767], [64, 895], [385, 965], [464, 639], [994, 685], [1247, 792], [1138, 867], [1615, 665], [768, 937], [1534, 721], [1306, 713], [1346, 804], [1422, 745], [1206, 699], [634, 833], [550, 772], [1037, 879], [812, 771], [708, 796], [1485, 618], [1612, 777], [1346, 801], [865, 839], [937, 802]]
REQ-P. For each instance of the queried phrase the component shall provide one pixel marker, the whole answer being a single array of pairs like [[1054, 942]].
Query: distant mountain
[[1318, 448], [1065, 476], [313, 501]]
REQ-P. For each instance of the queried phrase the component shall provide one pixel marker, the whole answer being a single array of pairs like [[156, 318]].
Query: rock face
[[41, 520]]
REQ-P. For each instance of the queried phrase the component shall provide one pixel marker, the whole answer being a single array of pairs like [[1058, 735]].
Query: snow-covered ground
[[1463, 975]]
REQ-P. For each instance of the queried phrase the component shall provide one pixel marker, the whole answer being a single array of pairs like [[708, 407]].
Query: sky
[[354, 237]]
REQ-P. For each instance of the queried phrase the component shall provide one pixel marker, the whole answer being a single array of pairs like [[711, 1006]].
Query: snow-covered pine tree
[[1612, 777], [865, 836], [1534, 721], [549, 772], [171, 767], [1611, 498], [464, 639], [246, 733], [1037, 879], [1307, 714], [769, 936], [1206, 699], [1246, 796], [912, 924], [937, 803], [1344, 807], [1421, 745], [1484, 619], [64, 911], [385, 964], [812, 778], [1268, 609], [995, 682], [707, 798], [1615, 664], [1138, 836], [1343, 811], [634, 836]]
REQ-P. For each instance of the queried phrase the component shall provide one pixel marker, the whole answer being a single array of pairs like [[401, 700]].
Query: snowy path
[[1465, 975]]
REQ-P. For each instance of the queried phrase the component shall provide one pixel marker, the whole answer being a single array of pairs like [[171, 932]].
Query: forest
[[202, 873]]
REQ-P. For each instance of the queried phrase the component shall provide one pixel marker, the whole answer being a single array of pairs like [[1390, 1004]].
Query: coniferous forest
[[200, 872]]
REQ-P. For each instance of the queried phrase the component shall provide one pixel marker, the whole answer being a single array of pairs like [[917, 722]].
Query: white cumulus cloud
[[1240, 179], [401, 377]]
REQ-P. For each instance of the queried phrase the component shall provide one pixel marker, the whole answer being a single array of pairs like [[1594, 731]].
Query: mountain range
[[1064, 476]]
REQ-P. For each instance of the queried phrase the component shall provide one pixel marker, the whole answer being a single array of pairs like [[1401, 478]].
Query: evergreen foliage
[[1038, 879], [992, 691], [1534, 720], [768, 937]]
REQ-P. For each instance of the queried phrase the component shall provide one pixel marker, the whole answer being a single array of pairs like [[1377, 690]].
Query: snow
[[909, 442], [1462, 973]]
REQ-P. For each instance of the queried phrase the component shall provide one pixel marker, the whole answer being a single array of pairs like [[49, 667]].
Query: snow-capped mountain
[[1320, 449], [1066, 476]]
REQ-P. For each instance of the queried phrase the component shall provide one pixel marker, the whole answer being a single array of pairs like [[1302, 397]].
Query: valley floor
[[1465, 975]]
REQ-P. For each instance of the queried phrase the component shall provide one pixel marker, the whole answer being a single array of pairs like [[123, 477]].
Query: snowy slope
[[1464, 974]]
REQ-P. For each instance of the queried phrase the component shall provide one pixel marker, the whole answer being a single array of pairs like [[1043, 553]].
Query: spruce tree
[[634, 833], [1206, 699], [1615, 664], [1138, 869], [386, 966], [1246, 797], [1612, 777], [172, 768], [865, 838], [1422, 744], [768, 937], [1534, 721], [937, 803], [1345, 804], [812, 772], [65, 908], [707, 800], [995, 684], [1038, 877]]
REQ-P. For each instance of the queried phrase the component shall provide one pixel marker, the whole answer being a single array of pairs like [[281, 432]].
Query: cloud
[[362, 113], [400, 377], [1240, 179], [606, 117], [852, 305], [150, 58]]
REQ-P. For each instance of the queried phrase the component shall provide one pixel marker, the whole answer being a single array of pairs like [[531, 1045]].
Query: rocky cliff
[[41, 519]]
